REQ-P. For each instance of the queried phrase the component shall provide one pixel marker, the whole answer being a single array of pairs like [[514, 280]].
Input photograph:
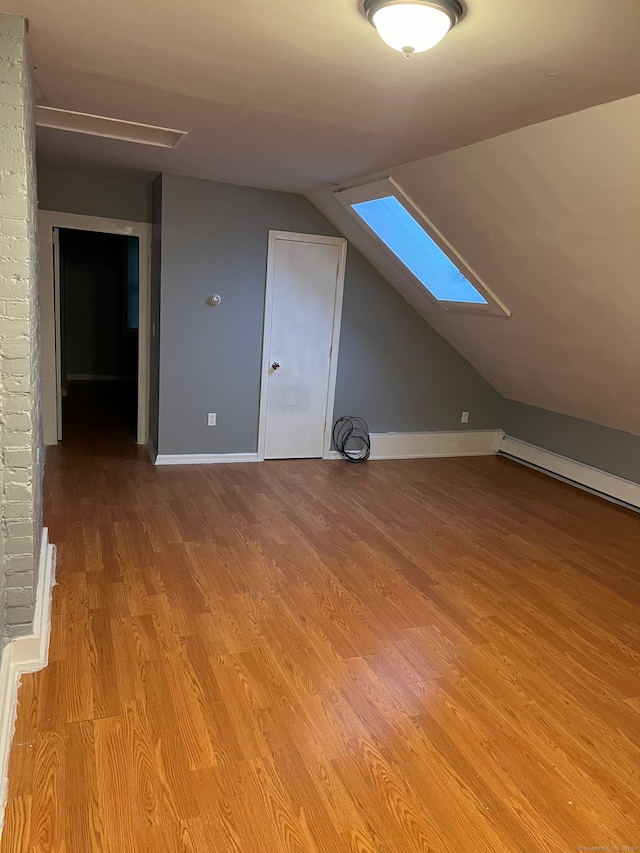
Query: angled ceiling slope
[[294, 95], [549, 216]]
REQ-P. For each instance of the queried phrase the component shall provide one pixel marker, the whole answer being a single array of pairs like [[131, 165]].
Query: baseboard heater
[[599, 483]]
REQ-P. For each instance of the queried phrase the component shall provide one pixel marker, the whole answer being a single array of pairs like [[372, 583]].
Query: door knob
[[275, 365]]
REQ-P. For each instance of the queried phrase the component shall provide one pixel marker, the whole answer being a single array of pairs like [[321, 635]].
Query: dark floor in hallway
[[99, 414]]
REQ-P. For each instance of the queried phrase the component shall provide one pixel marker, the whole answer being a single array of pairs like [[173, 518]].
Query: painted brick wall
[[22, 450]]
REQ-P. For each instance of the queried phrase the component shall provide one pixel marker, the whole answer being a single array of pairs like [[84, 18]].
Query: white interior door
[[302, 315]]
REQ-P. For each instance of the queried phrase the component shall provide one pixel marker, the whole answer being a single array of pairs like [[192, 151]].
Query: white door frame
[[274, 236], [50, 312]]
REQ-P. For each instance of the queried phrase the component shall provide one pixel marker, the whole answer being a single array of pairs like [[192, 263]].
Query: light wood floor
[[313, 657]]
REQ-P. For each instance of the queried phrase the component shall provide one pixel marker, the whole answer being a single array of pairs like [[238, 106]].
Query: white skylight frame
[[385, 187]]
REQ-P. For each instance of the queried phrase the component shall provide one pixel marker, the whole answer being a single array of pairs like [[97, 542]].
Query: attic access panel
[[418, 248]]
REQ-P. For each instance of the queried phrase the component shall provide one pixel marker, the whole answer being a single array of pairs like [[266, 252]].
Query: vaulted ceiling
[[549, 217], [295, 95], [304, 96]]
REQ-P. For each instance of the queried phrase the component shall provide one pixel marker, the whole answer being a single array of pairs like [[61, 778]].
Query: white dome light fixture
[[412, 26]]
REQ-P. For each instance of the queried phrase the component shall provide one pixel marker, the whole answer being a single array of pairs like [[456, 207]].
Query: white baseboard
[[387, 445], [24, 654], [425, 445], [204, 458], [591, 479]]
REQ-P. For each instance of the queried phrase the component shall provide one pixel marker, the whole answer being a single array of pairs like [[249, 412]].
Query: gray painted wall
[[396, 371], [156, 261], [608, 449], [94, 195], [214, 240], [393, 369]]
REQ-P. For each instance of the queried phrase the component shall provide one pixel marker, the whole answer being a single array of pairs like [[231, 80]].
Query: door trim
[[57, 301], [48, 220], [274, 236]]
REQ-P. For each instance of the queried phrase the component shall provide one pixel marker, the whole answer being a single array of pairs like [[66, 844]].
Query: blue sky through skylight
[[411, 244]]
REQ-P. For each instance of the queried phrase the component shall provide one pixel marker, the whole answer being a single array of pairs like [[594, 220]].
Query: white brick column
[[22, 452]]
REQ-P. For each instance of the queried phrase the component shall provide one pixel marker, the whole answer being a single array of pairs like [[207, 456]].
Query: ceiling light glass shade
[[412, 27]]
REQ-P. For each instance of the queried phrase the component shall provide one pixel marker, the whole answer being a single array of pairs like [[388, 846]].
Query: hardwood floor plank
[[84, 811], [427, 656], [49, 806], [114, 784], [17, 824]]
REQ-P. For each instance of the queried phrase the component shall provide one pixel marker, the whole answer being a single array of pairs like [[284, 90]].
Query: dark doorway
[[99, 298]]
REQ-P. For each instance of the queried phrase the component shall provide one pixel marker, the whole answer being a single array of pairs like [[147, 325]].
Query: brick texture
[[21, 444]]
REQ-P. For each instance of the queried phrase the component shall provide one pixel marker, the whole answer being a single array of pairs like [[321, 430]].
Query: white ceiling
[[296, 95], [293, 94], [549, 217]]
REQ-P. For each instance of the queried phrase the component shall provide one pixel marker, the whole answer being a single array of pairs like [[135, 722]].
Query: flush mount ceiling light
[[412, 26]]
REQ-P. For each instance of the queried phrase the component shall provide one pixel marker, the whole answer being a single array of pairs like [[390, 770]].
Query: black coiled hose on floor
[[351, 438]]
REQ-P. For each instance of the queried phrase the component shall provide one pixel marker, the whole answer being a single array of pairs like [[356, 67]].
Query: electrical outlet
[[211, 419], [465, 418]]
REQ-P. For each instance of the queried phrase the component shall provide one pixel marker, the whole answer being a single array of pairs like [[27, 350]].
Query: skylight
[[392, 223], [395, 234]]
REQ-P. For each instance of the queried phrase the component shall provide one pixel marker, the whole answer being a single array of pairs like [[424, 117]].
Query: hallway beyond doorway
[[99, 321]]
